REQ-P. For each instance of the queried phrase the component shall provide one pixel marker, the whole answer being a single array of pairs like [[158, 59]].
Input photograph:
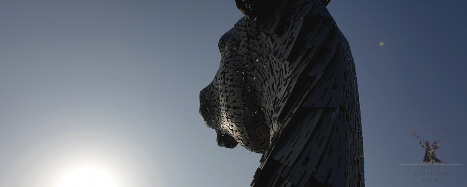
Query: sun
[[87, 176]]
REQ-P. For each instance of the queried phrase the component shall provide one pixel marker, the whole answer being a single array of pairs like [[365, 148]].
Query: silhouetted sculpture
[[430, 149], [286, 87]]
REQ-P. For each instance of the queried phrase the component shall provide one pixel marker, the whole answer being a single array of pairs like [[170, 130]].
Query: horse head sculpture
[[287, 76]]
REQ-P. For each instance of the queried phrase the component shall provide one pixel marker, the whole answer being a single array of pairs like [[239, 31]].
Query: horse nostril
[[206, 109], [204, 102]]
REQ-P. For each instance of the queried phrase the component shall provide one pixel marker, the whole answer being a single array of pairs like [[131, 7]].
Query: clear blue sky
[[116, 83]]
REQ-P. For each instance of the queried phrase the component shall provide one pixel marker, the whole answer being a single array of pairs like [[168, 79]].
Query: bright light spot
[[381, 44], [87, 177]]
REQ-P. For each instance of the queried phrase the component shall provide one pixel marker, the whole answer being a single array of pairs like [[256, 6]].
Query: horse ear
[[257, 8], [247, 7]]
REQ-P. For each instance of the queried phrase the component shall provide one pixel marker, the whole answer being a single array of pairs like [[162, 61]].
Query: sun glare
[[87, 177]]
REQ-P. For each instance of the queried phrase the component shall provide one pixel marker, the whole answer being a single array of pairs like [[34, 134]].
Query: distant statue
[[287, 88], [430, 149]]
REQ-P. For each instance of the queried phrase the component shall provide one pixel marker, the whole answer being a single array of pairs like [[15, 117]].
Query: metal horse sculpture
[[287, 88]]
